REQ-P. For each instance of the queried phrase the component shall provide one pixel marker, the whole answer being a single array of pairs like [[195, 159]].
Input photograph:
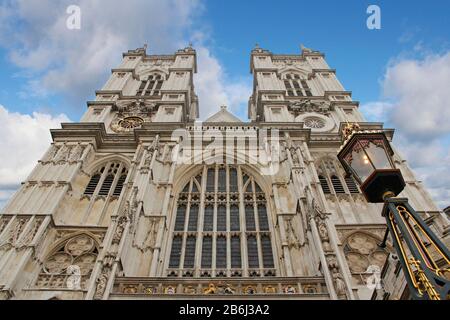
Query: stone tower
[[139, 201]]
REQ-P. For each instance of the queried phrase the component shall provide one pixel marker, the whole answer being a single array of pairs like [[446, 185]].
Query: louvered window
[[119, 185], [337, 185], [351, 185], [111, 175], [324, 184], [92, 184]]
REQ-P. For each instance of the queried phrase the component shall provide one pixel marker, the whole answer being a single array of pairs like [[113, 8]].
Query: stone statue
[[62, 154], [295, 158], [339, 284], [101, 284], [76, 153], [119, 229]]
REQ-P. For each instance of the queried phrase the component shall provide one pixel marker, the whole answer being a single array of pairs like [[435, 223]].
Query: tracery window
[[221, 227], [151, 86], [362, 251], [70, 264], [107, 180], [296, 86]]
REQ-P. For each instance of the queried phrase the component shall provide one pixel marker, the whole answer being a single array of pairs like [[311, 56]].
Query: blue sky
[[47, 70]]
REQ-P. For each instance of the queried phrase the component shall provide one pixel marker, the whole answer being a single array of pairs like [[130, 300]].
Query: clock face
[[131, 122]]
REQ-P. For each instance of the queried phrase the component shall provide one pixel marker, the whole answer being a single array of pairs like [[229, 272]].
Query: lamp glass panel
[[377, 154], [360, 163]]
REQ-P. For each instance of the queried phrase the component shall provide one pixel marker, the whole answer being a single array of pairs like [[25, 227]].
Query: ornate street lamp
[[367, 155]]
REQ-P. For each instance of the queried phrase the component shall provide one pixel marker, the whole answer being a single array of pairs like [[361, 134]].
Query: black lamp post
[[367, 155]]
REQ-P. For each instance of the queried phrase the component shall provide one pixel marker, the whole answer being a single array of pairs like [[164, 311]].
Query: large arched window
[[151, 86], [221, 227], [108, 180], [296, 86]]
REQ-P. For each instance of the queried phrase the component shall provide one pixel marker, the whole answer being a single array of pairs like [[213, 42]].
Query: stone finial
[[305, 49], [224, 108]]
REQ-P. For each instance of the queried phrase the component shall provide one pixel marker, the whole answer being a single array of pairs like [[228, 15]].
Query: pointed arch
[[222, 214], [361, 249], [69, 262], [108, 179]]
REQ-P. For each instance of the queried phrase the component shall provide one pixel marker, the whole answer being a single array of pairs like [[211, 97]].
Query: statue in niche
[[53, 153], [294, 154], [101, 284], [119, 229], [150, 240], [76, 153], [323, 233], [339, 284], [62, 154], [291, 235], [150, 151]]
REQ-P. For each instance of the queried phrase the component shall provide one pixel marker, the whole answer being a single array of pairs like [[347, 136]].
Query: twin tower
[[109, 212]]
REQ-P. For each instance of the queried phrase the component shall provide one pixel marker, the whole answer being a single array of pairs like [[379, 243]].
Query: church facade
[[139, 200]]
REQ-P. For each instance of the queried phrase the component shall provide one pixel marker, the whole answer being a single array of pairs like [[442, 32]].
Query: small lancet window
[[324, 184], [337, 184], [114, 177]]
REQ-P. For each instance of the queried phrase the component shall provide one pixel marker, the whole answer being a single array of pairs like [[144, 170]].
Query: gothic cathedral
[[111, 212]]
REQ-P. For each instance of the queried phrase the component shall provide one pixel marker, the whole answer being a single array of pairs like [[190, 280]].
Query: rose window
[[314, 123]]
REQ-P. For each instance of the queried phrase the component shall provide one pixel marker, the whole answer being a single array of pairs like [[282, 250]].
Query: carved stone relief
[[77, 253], [304, 106], [65, 152], [13, 233], [362, 251], [132, 114]]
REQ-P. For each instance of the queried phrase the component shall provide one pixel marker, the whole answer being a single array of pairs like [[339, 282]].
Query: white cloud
[[377, 111], [25, 138], [77, 62], [214, 89], [417, 106], [421, 89]]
